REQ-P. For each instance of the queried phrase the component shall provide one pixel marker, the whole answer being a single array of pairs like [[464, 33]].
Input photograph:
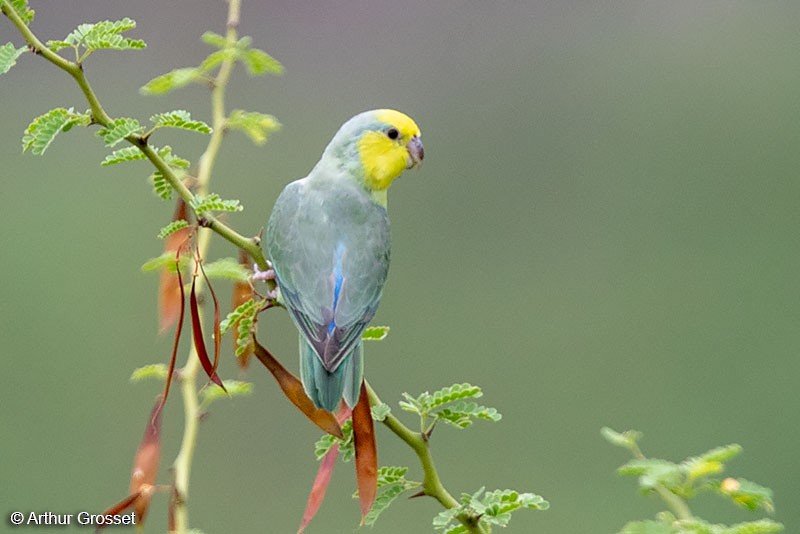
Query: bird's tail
[[326, 389]]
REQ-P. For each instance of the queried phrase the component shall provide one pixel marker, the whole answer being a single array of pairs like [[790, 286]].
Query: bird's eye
[[392, 133]]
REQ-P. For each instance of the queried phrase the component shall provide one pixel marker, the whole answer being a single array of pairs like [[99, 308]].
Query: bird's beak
[[416, 152]]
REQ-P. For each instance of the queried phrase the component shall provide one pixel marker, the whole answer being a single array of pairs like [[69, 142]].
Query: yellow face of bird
[[386, 153]]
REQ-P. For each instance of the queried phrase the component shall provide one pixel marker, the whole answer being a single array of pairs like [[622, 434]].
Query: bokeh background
[[605, 232]]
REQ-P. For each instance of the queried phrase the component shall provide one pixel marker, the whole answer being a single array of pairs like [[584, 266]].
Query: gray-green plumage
[[329, 244]]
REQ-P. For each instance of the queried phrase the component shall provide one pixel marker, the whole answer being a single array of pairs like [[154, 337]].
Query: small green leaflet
[[171, 80], [244, 315], [22, 10], [460, 414], [380, 411], [132, 153], [748, 494], [213, 202], [257, 126], [173, 160], [346, 446], [214, 39], [235, 388], [653, 472], [243, 310], [165, 261], [161, 186], [259, 62], [119, 129], [627, 440], [129, 153], [155, 370], [391, 484], [256, 61], [180, 119], [8, 56], [171, 228], [228, 269], [375, 333], [44, 128], [215, 58]]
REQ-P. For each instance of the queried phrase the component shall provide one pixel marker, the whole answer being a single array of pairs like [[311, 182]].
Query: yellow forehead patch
[[408, 128]]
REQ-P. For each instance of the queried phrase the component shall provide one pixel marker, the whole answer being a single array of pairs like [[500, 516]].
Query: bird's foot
[[265, 276]]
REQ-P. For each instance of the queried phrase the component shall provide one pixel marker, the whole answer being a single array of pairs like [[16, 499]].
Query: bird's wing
[[329, 246]]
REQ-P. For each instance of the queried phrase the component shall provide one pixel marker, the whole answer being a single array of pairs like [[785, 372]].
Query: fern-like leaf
[[259, 62], [214, 39], [22, 10], [213, 202], [346, 447], [129, 153], [171, 228], [8, 56], [154, 370], [460, 414], [161, 187], [391, 484], [44, 128], [233, 388], [180, 119], [244, 316], [173, 160], [228, 269], [105, 34], [172, 80], [257, 126], [118, 130], [453, 393]]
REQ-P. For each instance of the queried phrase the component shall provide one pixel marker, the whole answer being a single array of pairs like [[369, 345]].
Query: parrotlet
[[329, 243]]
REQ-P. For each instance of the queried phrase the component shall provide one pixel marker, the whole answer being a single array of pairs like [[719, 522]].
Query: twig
[[431, 483]]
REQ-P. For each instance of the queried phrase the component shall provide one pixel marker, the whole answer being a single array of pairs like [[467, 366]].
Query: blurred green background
[[605, 232]]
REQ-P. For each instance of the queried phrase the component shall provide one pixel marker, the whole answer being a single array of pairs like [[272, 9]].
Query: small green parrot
[[329, 244]]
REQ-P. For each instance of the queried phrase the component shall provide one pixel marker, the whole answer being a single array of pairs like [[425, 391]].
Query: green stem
[[431, 483], [678, 506], [183, 462]]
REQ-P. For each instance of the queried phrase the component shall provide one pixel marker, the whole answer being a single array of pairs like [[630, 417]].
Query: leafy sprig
[[257, 62], [493, 507], [245, 317], [677, 483], [392, 484], [451, 405]]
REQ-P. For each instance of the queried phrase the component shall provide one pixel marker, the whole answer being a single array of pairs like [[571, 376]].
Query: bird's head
[[381, 144]]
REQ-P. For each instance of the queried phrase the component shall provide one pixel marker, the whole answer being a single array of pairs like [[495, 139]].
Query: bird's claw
[[263, 276]]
